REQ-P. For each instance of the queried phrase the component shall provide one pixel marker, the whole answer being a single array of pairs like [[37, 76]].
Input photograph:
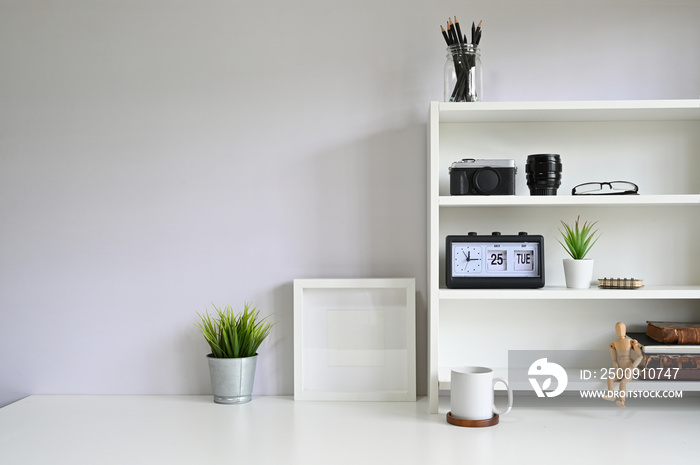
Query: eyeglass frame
[[609, 183]]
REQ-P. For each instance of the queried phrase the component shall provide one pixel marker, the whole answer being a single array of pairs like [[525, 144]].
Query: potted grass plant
[[578, 239], [234, 340]]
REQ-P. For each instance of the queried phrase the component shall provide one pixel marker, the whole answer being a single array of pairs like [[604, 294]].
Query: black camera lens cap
[[486, 180]]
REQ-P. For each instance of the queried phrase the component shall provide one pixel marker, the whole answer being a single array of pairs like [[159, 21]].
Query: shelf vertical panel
[[433, 254]]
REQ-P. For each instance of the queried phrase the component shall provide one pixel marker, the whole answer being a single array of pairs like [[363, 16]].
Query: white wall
[[157, 156]]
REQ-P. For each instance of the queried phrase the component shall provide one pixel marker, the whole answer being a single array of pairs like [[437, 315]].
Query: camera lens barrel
[[487, 180], [543, 173]]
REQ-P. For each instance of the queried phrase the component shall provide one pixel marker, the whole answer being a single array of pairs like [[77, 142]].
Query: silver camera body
[[471, 176]]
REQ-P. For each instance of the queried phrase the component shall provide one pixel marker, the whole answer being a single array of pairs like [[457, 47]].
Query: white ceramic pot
[[232, 379], [578, 273]]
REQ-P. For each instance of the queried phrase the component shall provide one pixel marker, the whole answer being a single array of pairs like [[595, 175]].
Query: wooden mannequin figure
[[623, 368]]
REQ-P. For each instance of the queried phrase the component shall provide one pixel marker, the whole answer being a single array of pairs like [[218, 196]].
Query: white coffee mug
[[471, 396]]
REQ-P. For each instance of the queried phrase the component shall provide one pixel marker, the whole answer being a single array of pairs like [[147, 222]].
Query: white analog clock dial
[[466, 259]]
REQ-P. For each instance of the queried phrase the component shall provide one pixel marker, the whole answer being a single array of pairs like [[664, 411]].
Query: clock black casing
[[495, 282]]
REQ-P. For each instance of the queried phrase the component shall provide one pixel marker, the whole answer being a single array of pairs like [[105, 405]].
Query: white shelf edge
[[562, 293], [601, 110], [445, 373], [566, 200], [444, 383]]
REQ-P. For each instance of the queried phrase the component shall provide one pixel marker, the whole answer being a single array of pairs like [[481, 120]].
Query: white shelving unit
[[652, 236]]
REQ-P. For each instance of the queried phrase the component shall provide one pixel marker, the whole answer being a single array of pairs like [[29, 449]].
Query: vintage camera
[[482, 177]]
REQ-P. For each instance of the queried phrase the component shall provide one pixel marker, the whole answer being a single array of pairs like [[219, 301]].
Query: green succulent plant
[[234, 336], [579, 238]]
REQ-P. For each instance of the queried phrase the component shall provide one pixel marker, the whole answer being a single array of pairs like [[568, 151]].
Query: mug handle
[[510, 396]]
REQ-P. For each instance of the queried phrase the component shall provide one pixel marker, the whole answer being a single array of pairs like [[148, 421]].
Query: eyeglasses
[[606, 188]]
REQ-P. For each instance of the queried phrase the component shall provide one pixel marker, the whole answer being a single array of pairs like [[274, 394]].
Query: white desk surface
[[134, 430]]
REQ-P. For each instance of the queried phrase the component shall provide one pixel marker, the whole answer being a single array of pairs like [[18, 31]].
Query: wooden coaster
[[472, 423]]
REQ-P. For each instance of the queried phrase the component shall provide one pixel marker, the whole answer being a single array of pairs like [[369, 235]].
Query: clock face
[[466, 259]]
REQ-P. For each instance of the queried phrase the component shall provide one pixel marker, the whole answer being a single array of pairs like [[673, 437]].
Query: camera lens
[[543, 173], [486, 180]]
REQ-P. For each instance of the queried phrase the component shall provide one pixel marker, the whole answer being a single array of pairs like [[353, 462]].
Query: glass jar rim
[[463, 47]]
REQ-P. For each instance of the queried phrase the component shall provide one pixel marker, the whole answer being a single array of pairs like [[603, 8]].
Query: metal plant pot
[[232, 379]]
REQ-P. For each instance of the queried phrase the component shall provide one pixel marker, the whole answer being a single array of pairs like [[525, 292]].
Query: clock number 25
[[496, 260]]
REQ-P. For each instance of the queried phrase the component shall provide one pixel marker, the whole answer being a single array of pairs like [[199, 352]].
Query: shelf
[[445, 373], [574, 383], [653, 142], [567, 200], [610, 110], [562, 293]]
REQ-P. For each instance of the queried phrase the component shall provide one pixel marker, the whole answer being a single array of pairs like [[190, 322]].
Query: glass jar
[[463, 81]]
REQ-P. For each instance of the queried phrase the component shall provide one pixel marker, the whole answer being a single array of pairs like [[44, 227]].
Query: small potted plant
[[578, 241], [234, 341]]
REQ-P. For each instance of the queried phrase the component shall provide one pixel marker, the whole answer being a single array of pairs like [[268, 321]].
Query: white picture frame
[[355, 339]]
